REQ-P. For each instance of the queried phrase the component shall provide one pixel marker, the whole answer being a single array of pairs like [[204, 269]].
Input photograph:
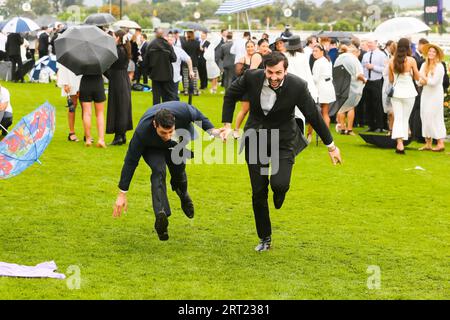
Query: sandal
[[438, 149], [72, 137], [350, 133], [425, 149]]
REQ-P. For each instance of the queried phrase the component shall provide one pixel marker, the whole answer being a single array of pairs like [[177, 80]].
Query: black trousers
[[16, 67], [374, 104], [279, 182], [157, 160], [202, 73], [162, 91]]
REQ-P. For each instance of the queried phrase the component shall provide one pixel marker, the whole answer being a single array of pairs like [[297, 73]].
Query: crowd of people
[[396, 88]]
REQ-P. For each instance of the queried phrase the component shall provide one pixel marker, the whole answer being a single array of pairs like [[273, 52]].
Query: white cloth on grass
[[42, 270]]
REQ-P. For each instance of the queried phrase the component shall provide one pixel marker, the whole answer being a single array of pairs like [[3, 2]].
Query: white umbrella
[[126, 24], [20, 25], [400, 27]]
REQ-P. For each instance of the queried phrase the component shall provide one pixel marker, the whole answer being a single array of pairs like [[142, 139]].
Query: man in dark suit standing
[[159, 57], [274, 94], [227, 58], [43, 43], [13, 43], [152, 141]]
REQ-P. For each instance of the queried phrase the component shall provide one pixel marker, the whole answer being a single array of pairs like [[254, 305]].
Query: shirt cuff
[[123, 191], [331, 145]]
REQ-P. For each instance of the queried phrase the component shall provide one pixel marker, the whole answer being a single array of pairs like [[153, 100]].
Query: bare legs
[[87, 116], [325, 113], [71, 119]]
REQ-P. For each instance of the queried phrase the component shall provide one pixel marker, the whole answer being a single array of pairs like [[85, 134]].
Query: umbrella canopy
[[20, 25], [100, 19], [235, 6], [23, 146], [384, 142], [341, 82], [401, 27], [47, 63], [85, 50], [193, 25], [126, 24]]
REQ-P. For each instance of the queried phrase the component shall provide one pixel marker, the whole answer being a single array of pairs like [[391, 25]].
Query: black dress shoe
[[264, 245], [186, 203], [118, 141], [278, 200], [161, 224], [397, 151]]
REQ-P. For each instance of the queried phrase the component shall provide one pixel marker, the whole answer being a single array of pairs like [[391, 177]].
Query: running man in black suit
[[152, 141], [274, 94]]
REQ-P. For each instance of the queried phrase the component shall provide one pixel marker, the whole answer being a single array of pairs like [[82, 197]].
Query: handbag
[[392, 89]]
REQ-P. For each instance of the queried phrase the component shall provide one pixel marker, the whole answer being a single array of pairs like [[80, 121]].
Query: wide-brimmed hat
[[440, 52], [294, 43]]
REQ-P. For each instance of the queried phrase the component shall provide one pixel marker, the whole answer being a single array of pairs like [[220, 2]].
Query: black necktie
[[370, 62]]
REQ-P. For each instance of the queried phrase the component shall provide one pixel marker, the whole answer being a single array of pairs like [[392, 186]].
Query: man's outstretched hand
[[335, 155], [121, 204], [225, 132]]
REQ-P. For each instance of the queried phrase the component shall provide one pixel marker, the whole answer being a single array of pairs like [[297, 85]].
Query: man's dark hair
[[275, 58], [165, 119], [423, 41], [229, 35], [247, 34]]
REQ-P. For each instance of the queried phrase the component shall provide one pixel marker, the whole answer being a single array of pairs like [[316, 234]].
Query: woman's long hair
[[430, 65], [126, 44], [322, 48], [402, 53]]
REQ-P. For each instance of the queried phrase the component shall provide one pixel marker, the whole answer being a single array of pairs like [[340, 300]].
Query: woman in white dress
[[70, 86], [389, 50], [432, 101], [349, 60], [299, 66], [212, 69], [323, 78], [402, 71]]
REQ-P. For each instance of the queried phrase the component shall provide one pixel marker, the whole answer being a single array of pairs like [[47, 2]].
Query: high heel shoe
[[402, 152], [72, 137]]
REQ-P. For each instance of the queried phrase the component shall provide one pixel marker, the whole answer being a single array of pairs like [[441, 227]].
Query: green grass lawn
[[375, 210]]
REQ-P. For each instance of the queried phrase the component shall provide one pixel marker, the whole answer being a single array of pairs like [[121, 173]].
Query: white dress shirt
[[378, 59]]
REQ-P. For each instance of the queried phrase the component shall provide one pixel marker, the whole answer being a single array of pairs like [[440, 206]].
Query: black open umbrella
[[100, 19], [381, 141], [86, 50]]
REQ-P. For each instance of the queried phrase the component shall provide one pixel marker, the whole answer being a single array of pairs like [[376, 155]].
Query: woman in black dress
[[119, 119]]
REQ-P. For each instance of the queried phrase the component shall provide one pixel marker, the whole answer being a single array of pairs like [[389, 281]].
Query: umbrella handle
[[4, 128]]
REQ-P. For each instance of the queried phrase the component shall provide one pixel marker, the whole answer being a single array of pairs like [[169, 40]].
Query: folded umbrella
[[24, 144], [86, 50]]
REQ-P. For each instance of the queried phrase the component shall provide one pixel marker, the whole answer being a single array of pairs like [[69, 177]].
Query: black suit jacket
[[13, 43], [145, 136], [294, 93], [159, 57]]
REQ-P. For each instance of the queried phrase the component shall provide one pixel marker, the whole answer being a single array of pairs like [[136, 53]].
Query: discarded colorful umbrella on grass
[[24, 144]]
